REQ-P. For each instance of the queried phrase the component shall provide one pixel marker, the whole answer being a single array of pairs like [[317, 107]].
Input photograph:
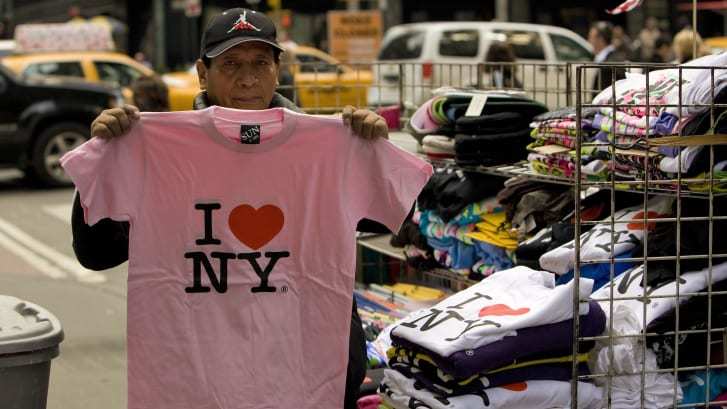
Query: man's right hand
[[115, 122]]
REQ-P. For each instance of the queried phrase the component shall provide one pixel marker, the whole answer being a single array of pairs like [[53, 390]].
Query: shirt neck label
[[249, 134]]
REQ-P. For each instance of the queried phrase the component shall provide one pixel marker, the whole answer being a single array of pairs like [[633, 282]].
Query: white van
[[7, 47], [416, 58]]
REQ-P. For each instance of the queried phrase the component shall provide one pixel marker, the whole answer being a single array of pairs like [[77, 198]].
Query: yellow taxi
[[97, 66], [716, 44], [322, 84]]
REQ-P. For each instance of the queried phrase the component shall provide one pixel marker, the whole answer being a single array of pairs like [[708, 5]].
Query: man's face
[[243, 77], [596, 41]]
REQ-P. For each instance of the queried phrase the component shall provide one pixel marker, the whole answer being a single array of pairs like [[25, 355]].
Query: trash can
[[29, 338]]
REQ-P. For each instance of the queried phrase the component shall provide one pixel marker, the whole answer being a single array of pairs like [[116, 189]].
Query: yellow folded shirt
[[492, 230]]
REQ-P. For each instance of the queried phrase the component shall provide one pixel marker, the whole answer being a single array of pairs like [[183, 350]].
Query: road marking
[[31, 258], [51, 255], [60, 211]]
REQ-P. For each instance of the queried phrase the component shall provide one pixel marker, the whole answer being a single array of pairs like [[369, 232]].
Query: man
[[238, 68], [648, 39], [601, 38], [662, 50]]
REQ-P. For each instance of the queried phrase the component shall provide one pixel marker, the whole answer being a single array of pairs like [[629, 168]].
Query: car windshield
[[405, 46]]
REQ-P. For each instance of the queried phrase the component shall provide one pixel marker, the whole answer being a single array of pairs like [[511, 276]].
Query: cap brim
[[222, 47]]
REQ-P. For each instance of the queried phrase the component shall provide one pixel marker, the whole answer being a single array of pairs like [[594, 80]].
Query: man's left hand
[[364, 123]]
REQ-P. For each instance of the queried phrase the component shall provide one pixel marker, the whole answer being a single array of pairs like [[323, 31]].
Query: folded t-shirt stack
[[552, 151], [491, 139], [449, 207], [531, 205], [529, 251], [695, 160], [485, 139], [476, 349], [630, 124], [601, 242], [499, 135], [380, 306], [631, 316], [455, 247]]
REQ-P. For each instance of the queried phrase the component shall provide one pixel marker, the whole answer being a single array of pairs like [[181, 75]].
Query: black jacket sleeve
[[101, 246], [357, 359], [370, 226]]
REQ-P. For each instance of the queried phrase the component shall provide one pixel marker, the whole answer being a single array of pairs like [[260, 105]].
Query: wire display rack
[[685, 190], [643, 371]]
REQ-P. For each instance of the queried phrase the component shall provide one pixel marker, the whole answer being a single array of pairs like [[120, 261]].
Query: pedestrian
[[684, 46], [141, 58], [622, 43], [238, 68], [662, 50], [501, 75], [647, 39], [600, 36], [150, 94], [286, 79]]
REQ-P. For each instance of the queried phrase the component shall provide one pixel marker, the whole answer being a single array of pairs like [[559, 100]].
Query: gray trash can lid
[[25, 326]]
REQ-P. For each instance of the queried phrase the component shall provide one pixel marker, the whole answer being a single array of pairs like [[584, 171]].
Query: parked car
[[42, 118], [6, 47], [716, 45], [416, 58], [322, 83], [116, 69]]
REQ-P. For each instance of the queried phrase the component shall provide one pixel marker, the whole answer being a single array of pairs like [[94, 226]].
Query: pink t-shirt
[[241, 255]]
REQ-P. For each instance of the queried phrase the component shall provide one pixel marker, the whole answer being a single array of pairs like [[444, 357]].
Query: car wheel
[[50, 146]]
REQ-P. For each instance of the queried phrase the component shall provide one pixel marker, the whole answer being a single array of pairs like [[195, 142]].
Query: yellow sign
[[355, 36]]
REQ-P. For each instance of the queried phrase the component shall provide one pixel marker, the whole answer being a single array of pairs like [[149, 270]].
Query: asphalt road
[[37, 264]]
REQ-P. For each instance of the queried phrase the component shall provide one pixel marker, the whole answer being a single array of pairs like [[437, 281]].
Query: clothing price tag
[[249, 134], [477, 104]]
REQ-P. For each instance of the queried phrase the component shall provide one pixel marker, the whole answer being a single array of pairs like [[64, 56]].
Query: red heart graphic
[[516, 387], [638, 221], [255, 228], [502, 309]]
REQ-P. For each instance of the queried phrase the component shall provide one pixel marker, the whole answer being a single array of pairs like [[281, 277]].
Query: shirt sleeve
[[382, 182], [109, 176]]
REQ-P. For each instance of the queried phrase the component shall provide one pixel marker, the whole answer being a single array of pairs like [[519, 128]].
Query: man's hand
[[364, 123], [114, 122]]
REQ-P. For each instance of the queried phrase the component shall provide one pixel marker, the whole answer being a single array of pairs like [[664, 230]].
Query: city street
[[38, 265]]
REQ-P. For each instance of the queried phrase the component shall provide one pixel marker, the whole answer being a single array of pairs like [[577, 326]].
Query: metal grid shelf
[[380, 244]]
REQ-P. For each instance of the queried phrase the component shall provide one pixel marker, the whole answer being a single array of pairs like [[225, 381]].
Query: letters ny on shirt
[[253, 228], [437, 316]]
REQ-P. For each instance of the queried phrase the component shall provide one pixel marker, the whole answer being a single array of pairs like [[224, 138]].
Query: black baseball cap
[[236, 26]]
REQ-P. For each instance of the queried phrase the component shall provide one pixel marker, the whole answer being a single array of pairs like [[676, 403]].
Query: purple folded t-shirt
[[545, 372], [528, 344]]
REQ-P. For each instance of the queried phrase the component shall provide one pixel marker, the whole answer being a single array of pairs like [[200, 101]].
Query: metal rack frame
[[676, 187], [646, 188]]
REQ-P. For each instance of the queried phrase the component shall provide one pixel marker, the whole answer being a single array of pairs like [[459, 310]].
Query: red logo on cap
[[242, 24]]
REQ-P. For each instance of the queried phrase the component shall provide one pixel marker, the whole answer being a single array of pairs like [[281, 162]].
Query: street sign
[[355, 36]]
